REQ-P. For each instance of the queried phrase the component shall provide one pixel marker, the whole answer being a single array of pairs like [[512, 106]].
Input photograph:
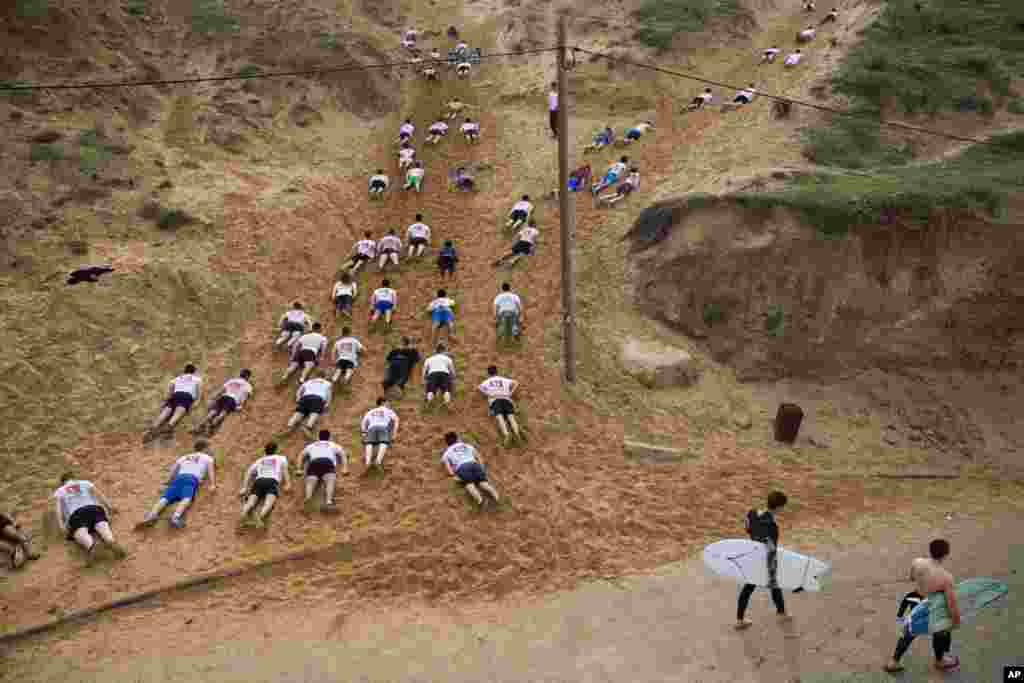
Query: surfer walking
[[763, 528], [931, 577]]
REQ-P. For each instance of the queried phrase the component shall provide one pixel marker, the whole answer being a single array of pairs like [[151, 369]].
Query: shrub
[[249, 70], [168, 219], [328, 40], [773, 320], [134, 7], [210, 16], [92, 152], [44, 152], [851, 143], [1015, 106], [712, 313], [31, 8], [660, 20]]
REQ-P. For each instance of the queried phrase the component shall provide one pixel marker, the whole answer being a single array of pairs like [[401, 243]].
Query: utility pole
[[565, 209]]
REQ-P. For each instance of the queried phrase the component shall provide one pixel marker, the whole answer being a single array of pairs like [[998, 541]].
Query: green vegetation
[[851, 143], [1016, 106], [31, 8], [43, 152], [328, 40], [210, 16], [712, 313], [660, 20], [168, 219], [773, 321], [92, 152], [249, 70], [135, 7], [12, 84]]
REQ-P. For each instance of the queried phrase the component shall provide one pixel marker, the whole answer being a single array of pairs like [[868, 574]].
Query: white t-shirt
[[348, 348], [749, 93], [341, 288], [618, 168], [74, 495], [188, 384], [392, 242], [458, 454], [523, 205], [268, 467], [295, 316], [238, 389], [439, 128], [470, 127], [321, 450], [314, 341], [439, 362], [528, 234], [771, 52], [707, 97], [807, 33], [407, 128], [552, 101], [196, 464], [419, 230], [367, 247], [793, 59], [381, 416], [507, 301], [315, 387], [463, 66], [407, 154], [642, 127], [415, 172], [497, 387], [633, 179], [384, 294], [442, 302], [382, 178]]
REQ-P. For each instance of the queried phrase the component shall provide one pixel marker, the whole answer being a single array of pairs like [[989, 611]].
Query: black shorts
[[289, 326], [633, 135], [265, 486], [345, 364], [741, 99], [395, 373], [417, 241], [305, 356], [446, 264], [86, 518], [361, 257], [439, 381], [502, 406], [226, 404], [378, 185], [320, 467], [471, 473], [309, 405], [518, 215], [343, 301], [522, 247], [625, 188], [181, 399]]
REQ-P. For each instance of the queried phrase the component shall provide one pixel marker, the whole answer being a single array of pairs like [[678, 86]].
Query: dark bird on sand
[[88, 274]]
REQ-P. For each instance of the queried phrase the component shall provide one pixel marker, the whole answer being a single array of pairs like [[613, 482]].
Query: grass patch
[[211, 16], [1015, 106], [168, 219], [134, 7], [12, 85], [31, 8], [660, 20], [249, 70], [851, 143], [774, 319], [712, 313], [43, 152], [327, 40], [92, 152]]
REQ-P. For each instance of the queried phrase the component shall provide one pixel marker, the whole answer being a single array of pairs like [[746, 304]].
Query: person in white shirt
[[745, 96], [636, 132], [462, 69], [379, 183], [700, 100], [344, 295], [630, 184], [769, 55], [388, 249], [418, 235], [438, 129], [182, 392], [414, 177], [187, 473], [807, 35], [263, 481], [793, 59], [463, 180], [553, 110], [438, 374], [612, 175], [383, 302], [406, 156], [498, 391], [379, 427], [455, 108], [464, 464], [409, 38], [521, 212], [319, 462], [523, 246], [442, 315], [309, 349], [81, 511], [405, 131], [346, 356], [471, 130], [363, 251], [311, 401], [292, 324], [229, 398], [508, 312]]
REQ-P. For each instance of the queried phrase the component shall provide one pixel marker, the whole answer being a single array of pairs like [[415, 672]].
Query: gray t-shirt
[[75, 495]]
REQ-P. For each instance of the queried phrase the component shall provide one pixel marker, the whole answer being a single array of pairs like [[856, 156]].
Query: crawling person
[[521, 212], [455, 108], [442, 315], [508, 312], [182, 392], [636, 132], [471, 130], [379, 183], [630, 184], [463, 69], [346, 356], [309, 349], [612, 175], [293, 324], [579, 178], [228, 399], [793, 59], [382, 303], [438, 129], [600, 140], [438, 375], [187, 473], [363, 251], [16, 543], [319, 463], [807, 35], [498, 391], [398, 366], [418, 237], [311, 402], [406, 131], [700, 100], [447, 259], [379, 428], [414, 177], [344, 295], [388, 249], [743, 97], [83, 511], [523, 246], [832, 16], [769, 55], [406, 156], [263, 481], [464, 463], [463, 180]]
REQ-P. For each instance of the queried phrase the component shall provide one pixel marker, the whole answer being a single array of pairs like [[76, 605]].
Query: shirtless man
[[187, 474], [498, 391], [309, 349], [292, 324], [931, 577], [379, 428], [182, 392], [320, 464], [311, 401], [388, 248], [418, 236], [263, 481], [228, 399], [438, 374], [81, 510]]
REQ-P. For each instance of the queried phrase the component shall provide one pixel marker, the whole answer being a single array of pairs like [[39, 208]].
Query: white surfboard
[[745, 561]]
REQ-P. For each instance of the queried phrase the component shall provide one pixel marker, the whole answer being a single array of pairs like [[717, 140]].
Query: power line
[[276, 74], [780, 98]]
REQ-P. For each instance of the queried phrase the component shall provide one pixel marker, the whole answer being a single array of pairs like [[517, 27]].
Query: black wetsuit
[[763, 529]]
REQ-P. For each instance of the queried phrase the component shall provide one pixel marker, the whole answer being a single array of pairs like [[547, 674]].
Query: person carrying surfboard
[[931, 577], [763, 528]]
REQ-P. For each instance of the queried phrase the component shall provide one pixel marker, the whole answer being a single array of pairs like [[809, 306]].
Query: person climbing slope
[[346, 356], [308, 350], [383, 302], [263, 481], [464, 463], [612, 175], [182, 392], [379, 183], [523, 246], [228, 399], [418, 237], [399, 365], [363, 251], [344, 295], [498, 391], [442, 315], [521, 212], [414, 177], [388, 249], [379, 428], [83, 511], [447, 259], [311, 401], [319, 462], [187, 474], [438, 375]]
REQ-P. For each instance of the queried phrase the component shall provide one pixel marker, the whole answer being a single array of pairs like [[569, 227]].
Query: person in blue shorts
[[442, 315], [187, 473]]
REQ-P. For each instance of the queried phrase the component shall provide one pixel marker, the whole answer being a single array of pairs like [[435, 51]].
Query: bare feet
[[743, 624]]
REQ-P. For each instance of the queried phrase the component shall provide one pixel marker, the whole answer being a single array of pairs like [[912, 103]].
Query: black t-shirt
[[405, 358], [762, 527]]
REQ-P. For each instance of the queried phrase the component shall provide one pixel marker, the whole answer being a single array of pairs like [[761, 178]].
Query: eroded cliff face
[[773, 297]]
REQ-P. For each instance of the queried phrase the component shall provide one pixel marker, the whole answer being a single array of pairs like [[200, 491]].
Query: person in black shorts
[[762, 527], [15, 542], [320, 465], [400, 363], [263, 481], [447, 259], [83, 511]]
